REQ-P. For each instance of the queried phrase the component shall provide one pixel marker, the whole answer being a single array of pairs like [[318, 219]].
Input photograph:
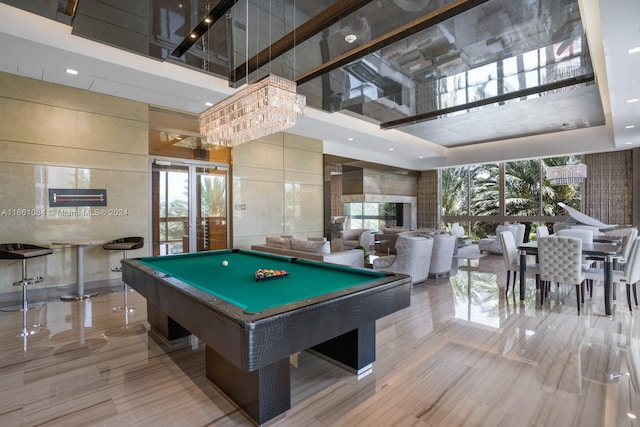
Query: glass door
[[188, 207], [211, 190]]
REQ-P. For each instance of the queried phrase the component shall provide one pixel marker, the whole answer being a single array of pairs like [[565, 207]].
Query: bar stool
[[24, 252], [123, 244]]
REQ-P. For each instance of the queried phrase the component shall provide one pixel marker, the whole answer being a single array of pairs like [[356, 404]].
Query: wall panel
[[277, 188], [53, 136]]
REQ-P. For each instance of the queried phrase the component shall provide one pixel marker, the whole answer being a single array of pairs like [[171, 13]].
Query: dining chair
[[628, 236], [586, 236], [595, 230], [560, 261], [632, 271], [542, 231], [630, 275], [581, 233], [511, 258]]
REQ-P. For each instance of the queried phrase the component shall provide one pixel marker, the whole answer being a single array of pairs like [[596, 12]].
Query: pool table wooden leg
[[355, 350], [261, 394]]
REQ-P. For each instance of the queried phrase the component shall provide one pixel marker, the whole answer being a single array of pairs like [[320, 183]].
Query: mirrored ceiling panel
[[502, 50], [397, 63]]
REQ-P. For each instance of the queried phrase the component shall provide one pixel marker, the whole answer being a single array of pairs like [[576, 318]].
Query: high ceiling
[[416, 84]]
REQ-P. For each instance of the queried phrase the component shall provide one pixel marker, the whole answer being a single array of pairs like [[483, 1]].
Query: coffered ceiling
[[410, 83]]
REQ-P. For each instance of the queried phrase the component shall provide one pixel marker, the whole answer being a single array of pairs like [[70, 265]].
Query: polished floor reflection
[[462, 354]]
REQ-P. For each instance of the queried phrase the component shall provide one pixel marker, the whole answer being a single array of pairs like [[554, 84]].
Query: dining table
[[601, 251], [609, 239]]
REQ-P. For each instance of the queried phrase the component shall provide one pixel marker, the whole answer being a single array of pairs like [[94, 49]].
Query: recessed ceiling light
[[192, 35], [391, 149], [207, 20], [629, 101], [634, 50], [208, 104], [349, 139], [629, 127], [421, 157], [628, 143], [71, 71], [350, 38]]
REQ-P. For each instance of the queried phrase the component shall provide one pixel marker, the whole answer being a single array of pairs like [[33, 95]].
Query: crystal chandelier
[[262, 108], [567, 174]]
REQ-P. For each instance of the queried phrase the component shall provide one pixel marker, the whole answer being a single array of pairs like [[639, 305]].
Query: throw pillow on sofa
[[310, 246], [279, 242]]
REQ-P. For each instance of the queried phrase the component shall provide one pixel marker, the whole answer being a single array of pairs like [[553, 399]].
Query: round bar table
[[79, 244]]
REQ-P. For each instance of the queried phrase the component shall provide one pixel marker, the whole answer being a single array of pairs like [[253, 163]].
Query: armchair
[[413, 257], [442, 254], [356, 237]]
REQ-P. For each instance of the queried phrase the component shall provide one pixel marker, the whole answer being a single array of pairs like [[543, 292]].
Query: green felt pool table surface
[[236, 284]]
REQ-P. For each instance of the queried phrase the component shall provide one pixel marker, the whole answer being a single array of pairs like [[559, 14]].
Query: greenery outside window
[[480, 197]]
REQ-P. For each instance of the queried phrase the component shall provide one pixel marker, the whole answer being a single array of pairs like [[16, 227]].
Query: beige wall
[[53, 136], [277, 188]]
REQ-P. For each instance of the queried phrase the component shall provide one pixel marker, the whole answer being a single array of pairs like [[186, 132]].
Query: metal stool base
[[28, 332], [76, 297], [123, 308], [21, 307], [121, 289]]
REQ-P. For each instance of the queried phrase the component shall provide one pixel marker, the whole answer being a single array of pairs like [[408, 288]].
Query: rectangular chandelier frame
[[270, 105], [567, 174]]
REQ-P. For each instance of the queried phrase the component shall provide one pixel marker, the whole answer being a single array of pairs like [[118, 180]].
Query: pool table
[[251, 328]]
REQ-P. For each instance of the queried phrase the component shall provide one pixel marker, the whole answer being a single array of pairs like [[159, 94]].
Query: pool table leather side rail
[[262, 334], [248, 359]]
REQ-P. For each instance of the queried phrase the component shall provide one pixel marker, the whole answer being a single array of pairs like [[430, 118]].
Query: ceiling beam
[[313, 26], [587, 78], [219, 11], [429, 20]]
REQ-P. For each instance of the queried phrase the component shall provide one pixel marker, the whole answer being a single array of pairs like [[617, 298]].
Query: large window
[[480, 197], [522, 188], [374, 216]]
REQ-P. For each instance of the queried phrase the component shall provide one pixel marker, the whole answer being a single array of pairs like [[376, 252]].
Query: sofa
[[492, 244], [313, 250]]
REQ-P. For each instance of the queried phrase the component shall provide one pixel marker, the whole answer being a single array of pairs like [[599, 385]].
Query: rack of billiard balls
[[263, 274]]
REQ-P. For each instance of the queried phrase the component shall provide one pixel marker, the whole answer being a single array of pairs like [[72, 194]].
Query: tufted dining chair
[[560, 260], [512, 257], [413, 257], [586, 236]]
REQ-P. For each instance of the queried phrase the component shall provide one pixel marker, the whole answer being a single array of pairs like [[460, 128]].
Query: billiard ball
[[225, 263]]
